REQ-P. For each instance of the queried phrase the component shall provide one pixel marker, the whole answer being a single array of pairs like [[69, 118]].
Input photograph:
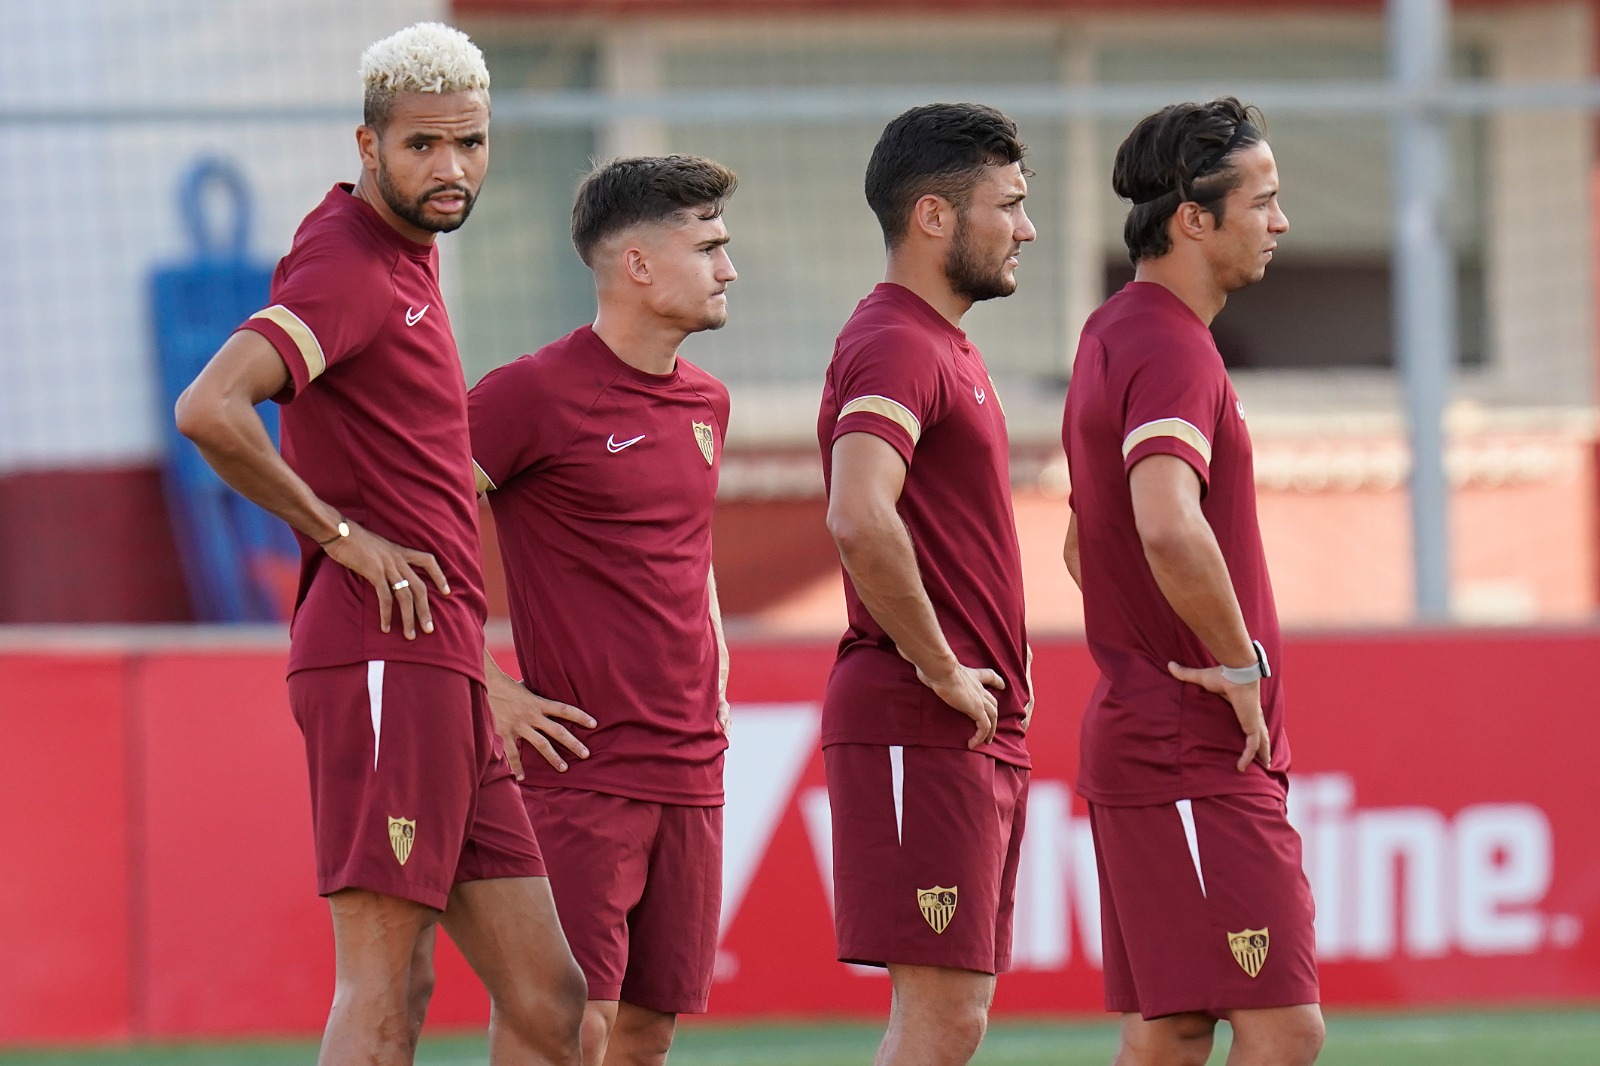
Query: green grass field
[[1497, 1038]]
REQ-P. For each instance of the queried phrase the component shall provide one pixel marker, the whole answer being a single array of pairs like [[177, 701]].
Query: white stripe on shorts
[[1186, 814], [375, 702], [897, 778]]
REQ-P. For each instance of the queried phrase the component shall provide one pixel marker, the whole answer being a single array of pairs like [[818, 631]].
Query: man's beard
[[713, 322], [973, 277], [414, 211]]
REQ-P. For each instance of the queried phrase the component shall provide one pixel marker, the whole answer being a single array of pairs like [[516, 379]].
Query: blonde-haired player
[[416, 816]]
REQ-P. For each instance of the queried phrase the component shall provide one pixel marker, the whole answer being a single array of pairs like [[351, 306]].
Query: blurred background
[[1418, 369]]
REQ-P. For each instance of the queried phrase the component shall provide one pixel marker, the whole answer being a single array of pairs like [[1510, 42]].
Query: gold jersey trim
[[1169, 427], [893, 410], [484, 482], [304, 340]]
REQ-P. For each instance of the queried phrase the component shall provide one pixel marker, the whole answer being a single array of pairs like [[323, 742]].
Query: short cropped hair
[[428, 57], [626, 192], [938, 149], [1177, 155]]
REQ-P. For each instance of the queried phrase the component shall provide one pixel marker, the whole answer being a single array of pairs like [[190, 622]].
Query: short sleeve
[[328, 304], [508, 423], [888, 386], [722, 406], [1174, 402]]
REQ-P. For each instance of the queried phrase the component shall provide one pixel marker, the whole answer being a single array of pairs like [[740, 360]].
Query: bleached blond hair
[[427, 57]]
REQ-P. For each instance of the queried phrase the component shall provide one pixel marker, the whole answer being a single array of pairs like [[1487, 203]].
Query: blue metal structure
[[235, 555]]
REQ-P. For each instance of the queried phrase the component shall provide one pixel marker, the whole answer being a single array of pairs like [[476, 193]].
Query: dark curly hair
[[941, 149], [1177, 155]]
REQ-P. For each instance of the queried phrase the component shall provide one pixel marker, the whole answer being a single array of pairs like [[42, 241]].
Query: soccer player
[[928, 700], [600, 454], [1204, 909], [414, 807]]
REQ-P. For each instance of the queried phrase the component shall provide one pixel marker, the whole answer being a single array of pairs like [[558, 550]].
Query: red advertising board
[[1443, 784], [159, 843]]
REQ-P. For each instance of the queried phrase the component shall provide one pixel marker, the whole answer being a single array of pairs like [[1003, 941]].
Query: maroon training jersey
[[375, 421], [602, 479], [1148, 381], [901, 372]]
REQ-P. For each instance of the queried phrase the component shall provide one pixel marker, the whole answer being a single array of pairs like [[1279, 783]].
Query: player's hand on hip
[[523, 715], [1246, 703], [396, 574], [966, 689]]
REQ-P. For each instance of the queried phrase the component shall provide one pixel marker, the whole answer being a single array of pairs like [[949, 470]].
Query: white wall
[[89, 208]]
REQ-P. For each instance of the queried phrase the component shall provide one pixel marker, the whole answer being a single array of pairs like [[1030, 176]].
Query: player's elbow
[[1167, 536], [195, 417], [852, 528]]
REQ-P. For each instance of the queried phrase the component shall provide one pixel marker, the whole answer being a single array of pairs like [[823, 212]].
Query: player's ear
[[933, 215], [1191, 221], [367, 145], [635, 266]]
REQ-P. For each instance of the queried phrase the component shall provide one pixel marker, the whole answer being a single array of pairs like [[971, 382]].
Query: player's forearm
[[1069, 553], [494, 677], [234, 442], [1193, 576], [878, 556], [716, 629]]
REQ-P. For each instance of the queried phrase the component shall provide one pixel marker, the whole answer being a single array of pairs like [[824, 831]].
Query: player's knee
[[1294, 1039], [647, 1040], [564, 1001], [1176, 1040], [596, 1034], [964, 1027], [548, 1015], [1303, 1038], [419, 994]]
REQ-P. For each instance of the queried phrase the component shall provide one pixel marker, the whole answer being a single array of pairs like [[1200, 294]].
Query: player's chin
[[446, 221], [449, 223], [1005, 284]]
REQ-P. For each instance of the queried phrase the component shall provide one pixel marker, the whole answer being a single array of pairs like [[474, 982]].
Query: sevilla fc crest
[[938, 906], [402, 834], [1249, 949], [703, 437]]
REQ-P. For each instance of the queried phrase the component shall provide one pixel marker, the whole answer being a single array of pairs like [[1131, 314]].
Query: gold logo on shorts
[[1249, 949], [938, 906], [703, 437], [402, 834]]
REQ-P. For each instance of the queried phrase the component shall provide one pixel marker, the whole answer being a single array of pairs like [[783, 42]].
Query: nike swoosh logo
[[413, 317], [614, 446]]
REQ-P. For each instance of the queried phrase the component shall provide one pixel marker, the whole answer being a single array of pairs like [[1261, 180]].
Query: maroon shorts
[[925, 848], [638, 886], [1203, 907], [410, 792]]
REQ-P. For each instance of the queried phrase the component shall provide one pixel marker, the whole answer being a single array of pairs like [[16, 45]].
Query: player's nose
[[449, 166], [1024, 231]]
